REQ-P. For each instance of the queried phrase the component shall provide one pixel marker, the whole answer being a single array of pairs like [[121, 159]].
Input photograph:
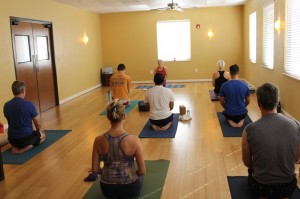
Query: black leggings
[[122, 190], [284, 190]]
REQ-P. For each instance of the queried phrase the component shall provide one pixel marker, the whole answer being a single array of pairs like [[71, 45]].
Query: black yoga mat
[[238, 186]]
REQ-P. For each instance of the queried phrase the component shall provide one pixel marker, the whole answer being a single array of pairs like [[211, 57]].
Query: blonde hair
[[221, 64], [115, 112]]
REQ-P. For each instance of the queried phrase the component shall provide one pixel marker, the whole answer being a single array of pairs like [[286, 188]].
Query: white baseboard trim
[[173, 81], [78, 94]]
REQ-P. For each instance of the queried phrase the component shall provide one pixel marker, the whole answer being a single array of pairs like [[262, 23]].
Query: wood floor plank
[[200, 157]]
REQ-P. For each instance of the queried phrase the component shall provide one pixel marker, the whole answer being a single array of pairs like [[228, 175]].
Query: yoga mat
[[213, 95], [167, 86], [133, 103], [51, 137], [148, 132], [238, 186], [229, 131], [152, 186]]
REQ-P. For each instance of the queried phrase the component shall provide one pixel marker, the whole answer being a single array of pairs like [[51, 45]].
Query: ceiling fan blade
[[178, 9]]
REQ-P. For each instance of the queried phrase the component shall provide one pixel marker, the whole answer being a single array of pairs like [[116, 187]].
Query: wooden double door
[[34, 62]]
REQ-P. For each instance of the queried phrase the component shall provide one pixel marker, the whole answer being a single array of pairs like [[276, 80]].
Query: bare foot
[[14, 150], [166, 126], [231, 123], [241, 123], [26, 148], [156, 128]]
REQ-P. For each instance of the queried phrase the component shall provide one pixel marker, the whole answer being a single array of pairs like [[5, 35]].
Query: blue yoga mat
[[213, 96], [238, 186], [229, 131], [167, 86], [133, 103], [51, 137], [148, 132], [154, 181]]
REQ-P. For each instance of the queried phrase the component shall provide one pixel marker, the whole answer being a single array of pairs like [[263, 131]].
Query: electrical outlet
[[151, 72], [196, 70]]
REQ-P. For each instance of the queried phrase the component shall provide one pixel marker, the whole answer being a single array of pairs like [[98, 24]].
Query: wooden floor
[[200, 157]]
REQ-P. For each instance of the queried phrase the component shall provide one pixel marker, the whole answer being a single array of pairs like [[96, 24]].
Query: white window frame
[[268, 36], [174, 40], [292, 39], [252, 37]]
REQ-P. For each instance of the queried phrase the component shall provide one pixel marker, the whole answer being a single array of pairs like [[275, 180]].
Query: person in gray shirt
[[270, 148]]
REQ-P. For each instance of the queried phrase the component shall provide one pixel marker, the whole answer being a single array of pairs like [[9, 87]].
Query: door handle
[[33, 63], [37, 63]]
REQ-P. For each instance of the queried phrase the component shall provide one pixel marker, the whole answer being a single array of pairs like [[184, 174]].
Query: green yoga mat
[[153, 183], [133, 103], [51, 137]]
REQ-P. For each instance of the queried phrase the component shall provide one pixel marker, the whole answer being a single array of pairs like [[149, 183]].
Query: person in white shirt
[[160, 101]]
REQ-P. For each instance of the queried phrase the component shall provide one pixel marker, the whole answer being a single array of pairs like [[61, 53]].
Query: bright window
[[252, 37], [292, 40], [174, 40], [268, 36]]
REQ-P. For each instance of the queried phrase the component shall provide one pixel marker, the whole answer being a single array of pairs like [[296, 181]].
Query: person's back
[[118, 150], [220, 77], [118, 167], [19, 113], [273, 140], [120, 84], [235, 92], [270, 148], [159, 98]]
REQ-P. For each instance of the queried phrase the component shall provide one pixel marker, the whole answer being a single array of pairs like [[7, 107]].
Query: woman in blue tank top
[[117, 150]]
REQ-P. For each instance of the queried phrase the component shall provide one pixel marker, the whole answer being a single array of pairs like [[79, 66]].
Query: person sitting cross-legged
[[160, 101]]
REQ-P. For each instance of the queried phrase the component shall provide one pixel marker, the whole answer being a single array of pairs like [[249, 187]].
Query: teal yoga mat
[[238, 186], [133, 103], [229, 131], [51, 137], [153, 183]]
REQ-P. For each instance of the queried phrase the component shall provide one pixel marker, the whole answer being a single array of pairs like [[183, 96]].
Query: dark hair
[[18, 87], [115, 112], [158, 79], [121, 67], [267, 96], [234, 69]]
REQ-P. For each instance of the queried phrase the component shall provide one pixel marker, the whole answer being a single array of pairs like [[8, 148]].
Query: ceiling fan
[[171, 6]]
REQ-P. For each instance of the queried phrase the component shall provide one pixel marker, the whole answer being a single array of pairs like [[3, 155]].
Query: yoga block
[[142, 106]]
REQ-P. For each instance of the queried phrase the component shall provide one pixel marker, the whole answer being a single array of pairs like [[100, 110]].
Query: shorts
[[33, 139], [284, 190], [131, 190], [235, 118], [162, 122]]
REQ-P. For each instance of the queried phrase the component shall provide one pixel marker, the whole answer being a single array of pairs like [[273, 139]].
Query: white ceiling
[[111, 6]]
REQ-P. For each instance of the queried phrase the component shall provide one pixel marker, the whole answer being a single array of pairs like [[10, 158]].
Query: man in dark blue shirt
[[20, 114], [234, 97]]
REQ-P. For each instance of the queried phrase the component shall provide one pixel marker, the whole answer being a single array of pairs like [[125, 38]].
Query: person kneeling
[[118, 150], [160, 102]]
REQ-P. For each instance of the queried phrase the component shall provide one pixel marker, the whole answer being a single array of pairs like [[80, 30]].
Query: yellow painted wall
[[130, 38], [78, 65], [256, 73]]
